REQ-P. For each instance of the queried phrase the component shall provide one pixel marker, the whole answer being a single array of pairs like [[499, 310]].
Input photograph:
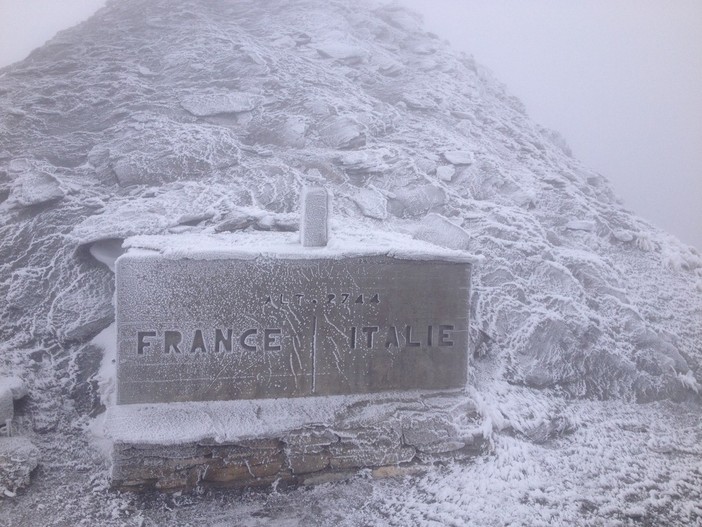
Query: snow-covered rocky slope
[[209, 116]]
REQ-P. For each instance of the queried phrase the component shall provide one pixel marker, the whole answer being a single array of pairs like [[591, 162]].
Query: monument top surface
[[284, 245], [257, 315]]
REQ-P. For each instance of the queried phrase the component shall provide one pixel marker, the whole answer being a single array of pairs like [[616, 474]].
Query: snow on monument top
[[346, 242], [313, 241]]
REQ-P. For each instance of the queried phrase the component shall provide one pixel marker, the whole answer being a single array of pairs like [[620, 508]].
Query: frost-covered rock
[[18, 458], [372, 203], [7, 410], [297, 440], [81, 310], [580, 225], [419, 101], [35, 188], [232, 153], [415, 201], [342, 132], [368, 161], [459, 157], [657, 356], [437, 229], [446, 172], [388, 66], [201, 149], [287, 132], [208, 104], [645, 242], [11, 389]]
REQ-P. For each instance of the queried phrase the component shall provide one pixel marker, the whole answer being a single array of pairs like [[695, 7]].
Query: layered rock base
[[302, 441]]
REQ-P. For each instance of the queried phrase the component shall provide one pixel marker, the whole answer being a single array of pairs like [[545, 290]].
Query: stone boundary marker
[[242, 328], [314, 217], [249, 318]]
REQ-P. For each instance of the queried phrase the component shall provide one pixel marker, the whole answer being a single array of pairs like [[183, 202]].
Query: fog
[[620, 79], [28, 24]]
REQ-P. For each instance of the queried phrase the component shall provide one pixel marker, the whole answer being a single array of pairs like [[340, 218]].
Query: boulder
[[18, 458], [437, 229]]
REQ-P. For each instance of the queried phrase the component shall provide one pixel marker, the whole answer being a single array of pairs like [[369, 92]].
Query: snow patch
[[107, 251], [645, 242], [106, 376], [344, 242]]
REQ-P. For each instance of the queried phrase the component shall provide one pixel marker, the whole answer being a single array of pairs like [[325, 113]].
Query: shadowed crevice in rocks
[[105, 251]]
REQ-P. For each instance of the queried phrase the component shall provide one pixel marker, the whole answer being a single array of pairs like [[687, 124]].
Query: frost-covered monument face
[[288, 321]]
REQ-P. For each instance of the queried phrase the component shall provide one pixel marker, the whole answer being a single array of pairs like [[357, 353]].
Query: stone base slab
[[291, 441]]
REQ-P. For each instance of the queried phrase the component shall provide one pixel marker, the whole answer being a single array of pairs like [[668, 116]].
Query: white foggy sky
[[620, 79]]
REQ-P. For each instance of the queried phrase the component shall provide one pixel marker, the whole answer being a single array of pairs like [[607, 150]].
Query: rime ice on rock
[[35, 189], [435, 228], [342, 132], [417, 201], [208, 104], [459, 157], [446, 173], [372, 203], [314, 220], [18, 458]]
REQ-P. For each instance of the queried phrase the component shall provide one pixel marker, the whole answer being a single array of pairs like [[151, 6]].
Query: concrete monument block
[[11, 389], [314, 220], [252, 327]]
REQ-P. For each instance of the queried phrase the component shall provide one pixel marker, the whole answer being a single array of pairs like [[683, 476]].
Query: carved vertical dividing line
[[314, 354]]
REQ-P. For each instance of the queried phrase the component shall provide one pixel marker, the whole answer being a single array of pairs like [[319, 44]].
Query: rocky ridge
[[155, 118]]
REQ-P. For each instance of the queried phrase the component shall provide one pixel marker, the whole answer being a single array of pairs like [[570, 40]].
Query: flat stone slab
[[231, 421], [18, 458], [301, 441], [237, 317]]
